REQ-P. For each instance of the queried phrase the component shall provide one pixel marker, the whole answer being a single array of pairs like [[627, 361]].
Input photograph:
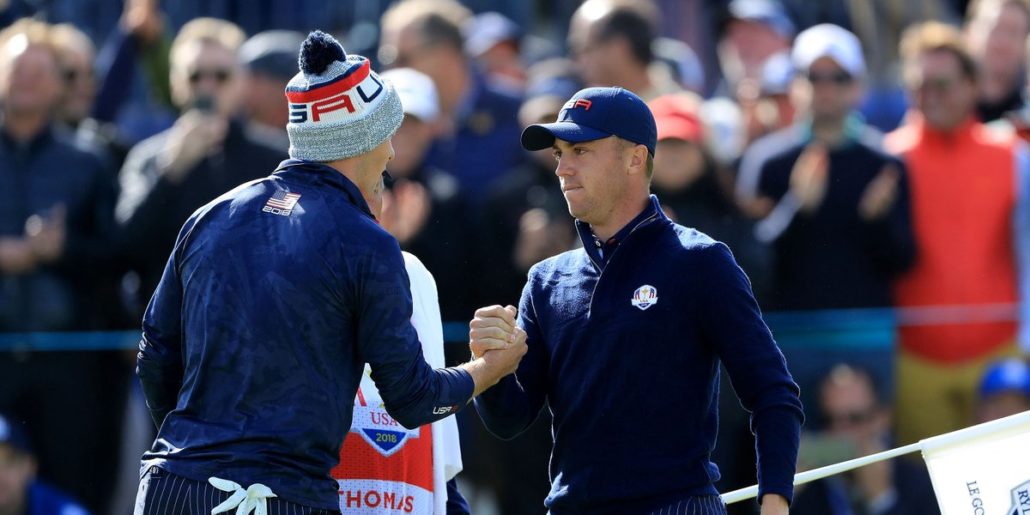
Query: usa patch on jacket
[[281, 203]]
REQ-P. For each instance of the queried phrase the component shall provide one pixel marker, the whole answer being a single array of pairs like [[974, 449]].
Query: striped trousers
[[163, 493], [698, 505]]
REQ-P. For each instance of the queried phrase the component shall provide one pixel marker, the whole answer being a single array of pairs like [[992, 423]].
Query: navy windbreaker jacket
[[275, 296]]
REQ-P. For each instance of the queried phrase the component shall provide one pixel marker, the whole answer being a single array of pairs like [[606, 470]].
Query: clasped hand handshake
[[496, 343]]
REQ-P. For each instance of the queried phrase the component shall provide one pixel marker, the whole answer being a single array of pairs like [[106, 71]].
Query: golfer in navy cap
[[626, 334]]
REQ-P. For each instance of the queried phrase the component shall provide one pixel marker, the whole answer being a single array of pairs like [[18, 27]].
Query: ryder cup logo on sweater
[[645, 297]]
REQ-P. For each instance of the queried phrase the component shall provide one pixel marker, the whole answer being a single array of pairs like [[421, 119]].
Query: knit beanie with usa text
[[339, 107]]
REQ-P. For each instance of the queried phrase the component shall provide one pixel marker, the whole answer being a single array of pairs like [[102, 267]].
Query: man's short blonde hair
[[935, 36], [67, 36], [208, 30], [436, 21], [35, 33]]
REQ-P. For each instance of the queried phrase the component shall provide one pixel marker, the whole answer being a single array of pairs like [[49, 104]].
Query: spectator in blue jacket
[[275, 296], [478, 133], [21, 493], [56, 203], [625, 336]]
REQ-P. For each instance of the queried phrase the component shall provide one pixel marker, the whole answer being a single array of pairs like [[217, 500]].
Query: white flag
[[984, 469]]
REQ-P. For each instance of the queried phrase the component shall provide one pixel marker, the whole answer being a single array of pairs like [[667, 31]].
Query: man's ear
[[638, 160]]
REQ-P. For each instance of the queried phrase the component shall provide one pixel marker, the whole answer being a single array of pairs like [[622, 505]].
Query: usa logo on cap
[[596, 113]]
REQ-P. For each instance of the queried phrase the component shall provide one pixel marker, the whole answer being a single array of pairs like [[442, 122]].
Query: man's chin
[[577, 212]]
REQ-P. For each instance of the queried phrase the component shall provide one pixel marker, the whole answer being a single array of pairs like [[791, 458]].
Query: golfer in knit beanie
[[339, 107]]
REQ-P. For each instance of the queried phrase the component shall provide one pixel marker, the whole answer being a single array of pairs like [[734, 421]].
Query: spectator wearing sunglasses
[[971, 212], [77, 54], [80, 90], [832, 205], [206, 152], [856, 422], [105, 103]]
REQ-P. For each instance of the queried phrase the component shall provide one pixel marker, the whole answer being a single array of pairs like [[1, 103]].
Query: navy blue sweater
[[634, 392], [256, 338]]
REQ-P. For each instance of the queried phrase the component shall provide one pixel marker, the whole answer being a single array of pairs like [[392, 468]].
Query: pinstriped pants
[[162, 493], [699, 505]]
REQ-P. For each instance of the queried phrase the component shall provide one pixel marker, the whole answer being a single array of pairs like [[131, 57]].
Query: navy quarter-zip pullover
[[274, 298], [625, 339]]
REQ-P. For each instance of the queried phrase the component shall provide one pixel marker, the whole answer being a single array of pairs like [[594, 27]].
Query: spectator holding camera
[[205, 153]]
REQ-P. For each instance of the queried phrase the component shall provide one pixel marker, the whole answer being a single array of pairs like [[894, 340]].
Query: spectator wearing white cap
[[494, 41], [422, 207], [829, 200], [680, 62], [421, 116]]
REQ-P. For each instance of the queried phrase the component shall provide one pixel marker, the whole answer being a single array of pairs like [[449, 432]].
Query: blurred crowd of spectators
[[856, 156]]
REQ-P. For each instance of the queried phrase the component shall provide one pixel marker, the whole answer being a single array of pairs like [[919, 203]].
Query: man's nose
[[563, 169]]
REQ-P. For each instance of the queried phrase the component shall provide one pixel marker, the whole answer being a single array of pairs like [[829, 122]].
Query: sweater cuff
[[777, 431], [502, 408], [456, 390]]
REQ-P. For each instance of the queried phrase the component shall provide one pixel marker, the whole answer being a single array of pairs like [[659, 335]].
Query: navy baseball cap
[[596, 113]]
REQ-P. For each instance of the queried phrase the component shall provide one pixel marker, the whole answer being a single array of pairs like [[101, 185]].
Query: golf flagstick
[[995, 433]]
